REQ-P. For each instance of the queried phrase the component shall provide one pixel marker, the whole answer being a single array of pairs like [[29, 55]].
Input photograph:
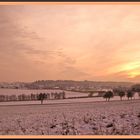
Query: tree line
[[33, 97], [129, 93]]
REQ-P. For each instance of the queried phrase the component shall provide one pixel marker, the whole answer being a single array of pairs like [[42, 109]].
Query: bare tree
[[121, 94], [130, 94], [108, 95], [41, 97]]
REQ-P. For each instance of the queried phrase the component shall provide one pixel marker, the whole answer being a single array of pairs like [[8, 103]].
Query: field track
[[75, 104]]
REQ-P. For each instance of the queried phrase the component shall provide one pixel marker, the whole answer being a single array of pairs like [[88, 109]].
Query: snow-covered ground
[[93, 118]]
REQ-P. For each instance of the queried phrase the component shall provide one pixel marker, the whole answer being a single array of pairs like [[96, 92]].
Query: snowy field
[[93, 118]]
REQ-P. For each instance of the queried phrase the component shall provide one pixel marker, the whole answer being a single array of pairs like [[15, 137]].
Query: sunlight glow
[[130, 66]]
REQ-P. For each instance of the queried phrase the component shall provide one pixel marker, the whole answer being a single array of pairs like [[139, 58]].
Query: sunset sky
[[71, 42]]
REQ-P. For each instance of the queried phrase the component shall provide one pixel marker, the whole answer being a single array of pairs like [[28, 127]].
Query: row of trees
[[121, 92], [110, 94], [32, 97]]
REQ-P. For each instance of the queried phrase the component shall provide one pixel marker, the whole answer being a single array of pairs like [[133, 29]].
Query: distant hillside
[[65, 85]]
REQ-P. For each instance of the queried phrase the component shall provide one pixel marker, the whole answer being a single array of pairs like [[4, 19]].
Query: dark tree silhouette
[[136, 88], [41, 97], [108, 95], [130, 94], [121, 94]]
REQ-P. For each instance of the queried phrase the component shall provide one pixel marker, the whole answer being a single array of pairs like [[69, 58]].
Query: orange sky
[[71, 42]]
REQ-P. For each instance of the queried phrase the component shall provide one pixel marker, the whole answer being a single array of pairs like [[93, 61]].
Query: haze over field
[[77, 42]]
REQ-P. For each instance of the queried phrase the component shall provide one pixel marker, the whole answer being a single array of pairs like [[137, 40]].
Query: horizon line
[[70, 80]]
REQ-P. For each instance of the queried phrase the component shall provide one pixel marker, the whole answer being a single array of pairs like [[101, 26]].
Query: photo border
[[69, 136]]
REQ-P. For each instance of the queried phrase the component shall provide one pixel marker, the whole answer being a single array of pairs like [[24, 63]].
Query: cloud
[[83, 42], [70, 72]]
